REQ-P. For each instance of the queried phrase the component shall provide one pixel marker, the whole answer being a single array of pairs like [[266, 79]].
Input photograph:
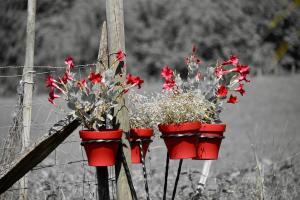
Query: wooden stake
[[103, 49], [103, 185], [37, 152], [116, 41], [102, 172], [28, 87]]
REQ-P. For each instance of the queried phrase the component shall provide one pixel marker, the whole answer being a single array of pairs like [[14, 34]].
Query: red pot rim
[[109, 134], [179, 128], [141, 132], [213, 127]]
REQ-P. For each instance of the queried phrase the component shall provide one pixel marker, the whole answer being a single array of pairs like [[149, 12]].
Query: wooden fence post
[[28, 87], [102, 172], [116, 41]]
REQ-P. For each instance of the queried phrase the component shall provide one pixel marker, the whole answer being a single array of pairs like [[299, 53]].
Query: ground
[[264, 122]]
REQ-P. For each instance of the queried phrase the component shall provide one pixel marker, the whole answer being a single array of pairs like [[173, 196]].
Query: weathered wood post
[[28, 87], [102, 172], [116, 41]]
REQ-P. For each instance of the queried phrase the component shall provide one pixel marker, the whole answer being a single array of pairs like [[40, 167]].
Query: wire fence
[[64, 174]]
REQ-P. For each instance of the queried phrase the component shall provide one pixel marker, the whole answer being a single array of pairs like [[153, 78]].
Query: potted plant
[[141, 126], [217, 84], [180, 111], [93, 100]]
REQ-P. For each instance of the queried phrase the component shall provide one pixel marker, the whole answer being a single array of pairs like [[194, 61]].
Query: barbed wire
[[41, 73], [46, 66], [21, 75]]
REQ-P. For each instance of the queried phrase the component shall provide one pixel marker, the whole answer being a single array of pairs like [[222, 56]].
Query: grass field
[[265, 122]]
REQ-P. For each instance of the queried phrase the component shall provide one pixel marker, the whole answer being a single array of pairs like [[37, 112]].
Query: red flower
[[243, 77], [233, 60], [120, 55], [70, 62], [244, 69], [50, 82], [95, 77], [222, 91], [52, 95], [138, 81], [198, 61], [166, 72], [81, 84], [232, 99], [219, 71], [169, 84], [240, 89], [130, 79], [67, 76], [134, 80], [194, 49]]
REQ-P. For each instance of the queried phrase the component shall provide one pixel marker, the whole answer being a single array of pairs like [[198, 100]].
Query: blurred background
[[262, 129], [263, 34]]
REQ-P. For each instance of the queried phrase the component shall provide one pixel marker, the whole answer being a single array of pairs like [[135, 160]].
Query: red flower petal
[[220, 71], [233, 60], [52, 95], [67, 76], [130, 79], [240, 89], [134, 80], [222, 91], [169, 84], [95, 77], [51, 100], [194, 49], [232, 99], [70, 62], [120, 55], [243, 77], [244, 69], [50, 82], [138, 81], [166, 72]]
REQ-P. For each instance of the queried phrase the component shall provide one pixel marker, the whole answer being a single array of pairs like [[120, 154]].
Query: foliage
[[141, 113], [93, 99], [216, 82], [212, 85], [183, 107]]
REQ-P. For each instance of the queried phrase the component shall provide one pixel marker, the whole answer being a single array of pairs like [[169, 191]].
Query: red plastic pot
[[180, 147], [101, 153], [210, 141], [139, 133]]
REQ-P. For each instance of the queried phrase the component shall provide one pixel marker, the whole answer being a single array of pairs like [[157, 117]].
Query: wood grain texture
[[28, 87], [116, 41]]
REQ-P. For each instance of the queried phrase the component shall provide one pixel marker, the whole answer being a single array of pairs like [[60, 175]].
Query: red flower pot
[[180, 147], [101, 153], [139, 133], [210, 141]]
